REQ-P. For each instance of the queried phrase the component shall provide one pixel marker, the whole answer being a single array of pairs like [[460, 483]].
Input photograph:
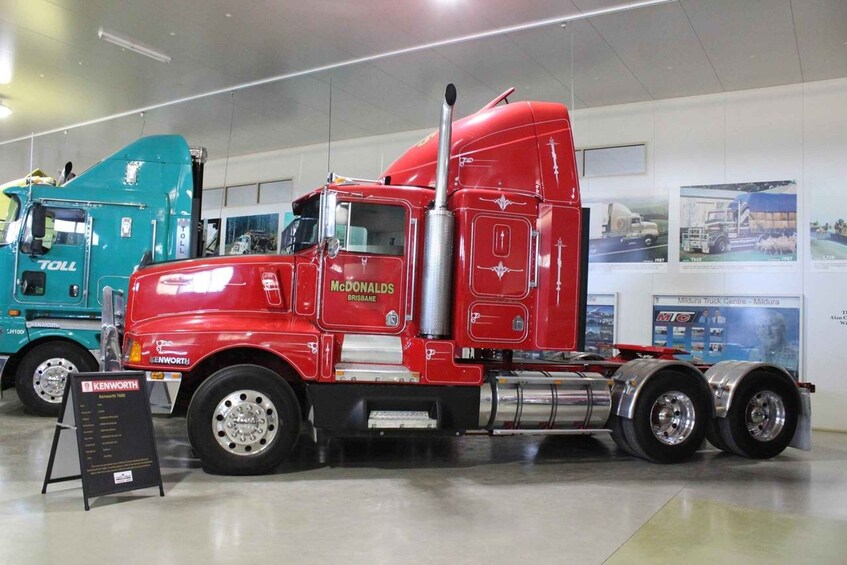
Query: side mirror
[[39, 221], [329, 201]]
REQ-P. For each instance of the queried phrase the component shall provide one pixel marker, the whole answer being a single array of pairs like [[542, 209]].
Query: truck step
[[401, 419], [374, 373]]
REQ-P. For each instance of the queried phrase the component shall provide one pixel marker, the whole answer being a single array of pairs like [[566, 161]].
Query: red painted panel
[[359, 291], [556, 153], [307, 289], [441, 367], [558, 277], [498, 322], [499, 257]]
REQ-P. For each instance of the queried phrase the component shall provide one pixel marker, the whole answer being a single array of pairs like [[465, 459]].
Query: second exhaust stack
[[438, 237]]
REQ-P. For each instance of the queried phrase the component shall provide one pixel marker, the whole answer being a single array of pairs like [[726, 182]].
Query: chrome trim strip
[[364, 348], [63, 324]]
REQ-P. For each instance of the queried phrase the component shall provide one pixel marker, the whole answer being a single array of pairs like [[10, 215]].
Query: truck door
[[54, 270], [363, 285]]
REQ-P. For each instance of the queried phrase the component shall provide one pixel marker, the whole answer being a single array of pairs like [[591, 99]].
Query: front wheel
[[649, 240], [669, 422], [763, 417], [721, 245], [243, 420], [41, 377]]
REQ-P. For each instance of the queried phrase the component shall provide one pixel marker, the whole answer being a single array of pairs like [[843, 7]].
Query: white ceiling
[[62, 74]]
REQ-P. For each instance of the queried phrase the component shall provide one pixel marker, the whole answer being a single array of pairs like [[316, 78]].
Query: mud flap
[[803, 435]]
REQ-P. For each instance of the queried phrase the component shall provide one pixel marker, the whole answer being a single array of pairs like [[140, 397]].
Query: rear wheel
[[763, 417], [243, 420], [42, 374], [669, 421]]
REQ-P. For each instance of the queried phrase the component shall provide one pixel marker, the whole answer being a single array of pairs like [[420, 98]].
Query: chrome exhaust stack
[[438, 237]]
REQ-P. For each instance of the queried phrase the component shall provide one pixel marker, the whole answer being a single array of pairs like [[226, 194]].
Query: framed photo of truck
[[752, 222], [827, 226], [628, 230]]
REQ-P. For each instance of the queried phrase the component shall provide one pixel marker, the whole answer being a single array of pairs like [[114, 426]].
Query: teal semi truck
[[61, 244]]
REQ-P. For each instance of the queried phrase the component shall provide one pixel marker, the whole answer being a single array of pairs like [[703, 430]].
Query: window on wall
[[276, 191], [213, 198], [612, 161], [243, 195], [271, 192]]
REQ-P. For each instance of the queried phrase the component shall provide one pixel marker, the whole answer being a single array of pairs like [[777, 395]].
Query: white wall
[[793, 132]]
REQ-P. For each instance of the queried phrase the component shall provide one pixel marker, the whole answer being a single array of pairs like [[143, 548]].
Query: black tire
[[648, 241], [666, 393], [619, 438], [40, 379], [767, 441], [713, 434], [273, 419], [721, 245]]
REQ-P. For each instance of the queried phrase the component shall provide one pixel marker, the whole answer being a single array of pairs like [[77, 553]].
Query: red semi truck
[[401, 303]]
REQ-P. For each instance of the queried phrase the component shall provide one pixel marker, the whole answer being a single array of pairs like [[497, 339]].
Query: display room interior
[[586, 310]]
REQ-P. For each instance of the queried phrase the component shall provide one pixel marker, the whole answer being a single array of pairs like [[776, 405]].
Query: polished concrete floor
[[466, 500]]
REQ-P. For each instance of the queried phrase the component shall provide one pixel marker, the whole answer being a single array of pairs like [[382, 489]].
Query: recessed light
[[80, 62], [5, 111], [670, 68], [228, 15], [133, 46], [173, 34], [752, 56], [41, 75]]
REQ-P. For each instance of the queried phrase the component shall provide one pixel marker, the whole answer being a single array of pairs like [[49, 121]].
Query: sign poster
[[600, 326], [104, 435], [720, 328], [725, 225], [246, 235], [828, 228], [625, 230], [211, 237]]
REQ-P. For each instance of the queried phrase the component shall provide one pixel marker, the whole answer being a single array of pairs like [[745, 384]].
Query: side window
[[65, 226], [371, 228]]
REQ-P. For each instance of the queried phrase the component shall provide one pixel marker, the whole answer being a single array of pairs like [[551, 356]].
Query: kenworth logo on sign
[[57, 265], [109, 386]]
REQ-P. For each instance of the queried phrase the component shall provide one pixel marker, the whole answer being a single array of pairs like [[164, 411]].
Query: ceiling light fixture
[[5, 111], [133, 46]]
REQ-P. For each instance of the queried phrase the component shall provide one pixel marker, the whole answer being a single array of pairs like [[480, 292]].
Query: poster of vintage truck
[[628, 230], [247, 235], [828, 227], [741, 222]]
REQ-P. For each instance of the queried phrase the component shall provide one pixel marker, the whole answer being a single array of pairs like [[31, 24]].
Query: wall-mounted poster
[[211, 237], [751, 222], [252, 234], [828, 228], [600, 324], [719, 328], [627, 230]]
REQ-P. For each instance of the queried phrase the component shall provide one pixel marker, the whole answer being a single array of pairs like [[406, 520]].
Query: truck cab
[[61, 245]]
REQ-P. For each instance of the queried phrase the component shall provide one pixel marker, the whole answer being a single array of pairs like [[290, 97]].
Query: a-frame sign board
[[104, 435]]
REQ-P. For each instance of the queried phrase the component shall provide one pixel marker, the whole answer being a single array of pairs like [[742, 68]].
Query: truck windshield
[[717, 216], [302, 232], [11, 222]]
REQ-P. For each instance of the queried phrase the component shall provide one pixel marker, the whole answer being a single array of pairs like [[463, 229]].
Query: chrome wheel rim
[[672, 417], [50, 377], [765, 415], [245, 422]]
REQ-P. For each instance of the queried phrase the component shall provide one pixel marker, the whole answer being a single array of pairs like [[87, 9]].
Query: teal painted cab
[[61, 244]]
